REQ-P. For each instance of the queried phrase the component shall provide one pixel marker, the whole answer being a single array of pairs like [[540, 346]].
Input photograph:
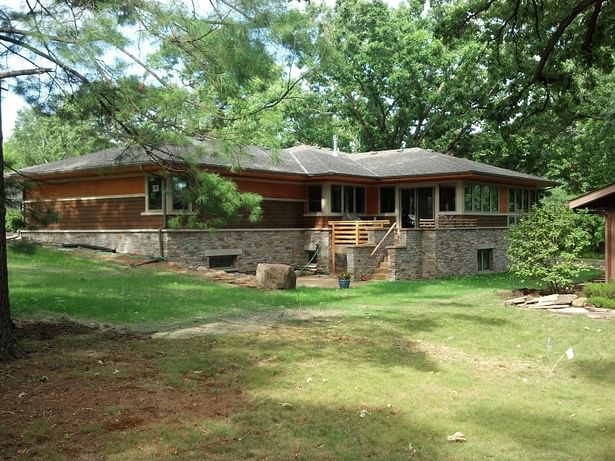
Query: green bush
[[14, 219], [546, 243], [601, 294]]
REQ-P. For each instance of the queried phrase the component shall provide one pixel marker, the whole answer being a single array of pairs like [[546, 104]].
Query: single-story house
[[603, 201], [407, 213]]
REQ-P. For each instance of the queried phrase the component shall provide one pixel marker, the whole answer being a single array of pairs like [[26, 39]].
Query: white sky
[[11, 103]]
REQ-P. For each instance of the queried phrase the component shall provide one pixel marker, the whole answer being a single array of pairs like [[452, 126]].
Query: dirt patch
[[79, 385], [446, 354], [254, 323]]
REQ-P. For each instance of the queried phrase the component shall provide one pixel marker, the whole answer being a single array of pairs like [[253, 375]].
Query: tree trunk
[[9, 349]]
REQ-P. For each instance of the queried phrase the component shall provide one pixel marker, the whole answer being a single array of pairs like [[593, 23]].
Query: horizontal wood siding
[[276, 215], [489, 220], [122, 213], [273, 189], [88, 188]]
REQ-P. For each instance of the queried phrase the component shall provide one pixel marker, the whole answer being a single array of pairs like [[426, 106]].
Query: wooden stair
[[382, 273]]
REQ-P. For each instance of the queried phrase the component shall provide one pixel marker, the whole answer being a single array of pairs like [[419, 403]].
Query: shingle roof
[[299, 160]]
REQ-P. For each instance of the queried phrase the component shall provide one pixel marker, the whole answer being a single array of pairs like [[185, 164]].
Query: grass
[[391, 371]]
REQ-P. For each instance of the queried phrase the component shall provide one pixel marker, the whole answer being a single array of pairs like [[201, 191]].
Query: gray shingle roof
[[299, 160]]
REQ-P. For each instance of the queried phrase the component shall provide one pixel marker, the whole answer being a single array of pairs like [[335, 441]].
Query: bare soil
[[70, 395]]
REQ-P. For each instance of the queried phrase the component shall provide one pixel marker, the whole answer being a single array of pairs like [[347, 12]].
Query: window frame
[[481, 198], [167, 199], [380, 200], [484, 259]]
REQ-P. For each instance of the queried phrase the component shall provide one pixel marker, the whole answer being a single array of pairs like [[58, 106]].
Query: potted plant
[[344, 279]]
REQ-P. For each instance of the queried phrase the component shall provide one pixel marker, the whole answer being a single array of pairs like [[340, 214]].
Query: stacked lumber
[[550, 302]]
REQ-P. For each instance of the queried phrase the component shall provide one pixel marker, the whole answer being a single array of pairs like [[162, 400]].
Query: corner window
[[521, 200], [485, 259], [315, 199], [481, 198], [387, 200], [447, 197], [154, 193]]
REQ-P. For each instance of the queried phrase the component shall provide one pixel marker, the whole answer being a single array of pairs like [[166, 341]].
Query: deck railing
[[352, 233]]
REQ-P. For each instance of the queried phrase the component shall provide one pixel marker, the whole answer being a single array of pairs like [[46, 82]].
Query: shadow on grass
[[24, 247], [565, 436], [599, 371]]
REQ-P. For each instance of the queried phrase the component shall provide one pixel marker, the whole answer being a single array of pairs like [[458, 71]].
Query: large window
[[347, 199], [177, 199], [447, 197], [387, 200], [481, 198], [315, 198]]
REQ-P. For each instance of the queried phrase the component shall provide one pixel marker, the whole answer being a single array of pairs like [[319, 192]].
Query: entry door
[[416, 204]]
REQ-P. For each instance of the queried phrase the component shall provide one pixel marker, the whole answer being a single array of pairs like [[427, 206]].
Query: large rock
[[276, 276]]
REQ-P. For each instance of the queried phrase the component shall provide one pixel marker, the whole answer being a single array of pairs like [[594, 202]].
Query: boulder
[[276, 276]]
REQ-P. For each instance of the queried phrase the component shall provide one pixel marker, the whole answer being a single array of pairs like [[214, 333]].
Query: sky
[[12, 104]]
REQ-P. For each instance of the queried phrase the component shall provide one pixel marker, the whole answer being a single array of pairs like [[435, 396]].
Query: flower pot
[[344, 283]]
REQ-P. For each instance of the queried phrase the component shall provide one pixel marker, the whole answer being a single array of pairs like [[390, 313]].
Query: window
[[447, 197], [485, 259], [481, 198], [315, 199], [154, 193], [176, 200], [347, 199], [387, 200], [521, 200], [180, 199], [222, 262]]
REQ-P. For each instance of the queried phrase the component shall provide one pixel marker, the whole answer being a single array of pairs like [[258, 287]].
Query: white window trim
[[167, 197]]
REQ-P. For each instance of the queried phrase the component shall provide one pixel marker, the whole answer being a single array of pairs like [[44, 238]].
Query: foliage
[[546, 243], [385, 74], [14, 219], [41, 137], [600, 294], [216, 202], [344, 275]]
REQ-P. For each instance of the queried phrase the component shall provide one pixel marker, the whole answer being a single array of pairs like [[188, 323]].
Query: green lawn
[[385, 371]]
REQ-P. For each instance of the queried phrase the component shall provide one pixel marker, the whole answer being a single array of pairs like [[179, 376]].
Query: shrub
[[14, 219], [546, 243], [601, 294]]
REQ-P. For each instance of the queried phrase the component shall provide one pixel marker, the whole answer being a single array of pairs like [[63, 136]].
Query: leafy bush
[[601, 294], [14, 219], [546, 243]]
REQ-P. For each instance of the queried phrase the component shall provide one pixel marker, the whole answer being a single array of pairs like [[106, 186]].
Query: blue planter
[[344, 283]]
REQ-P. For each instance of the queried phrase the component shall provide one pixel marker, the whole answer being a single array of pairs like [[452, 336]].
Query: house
[[603, 201], [414, 212]]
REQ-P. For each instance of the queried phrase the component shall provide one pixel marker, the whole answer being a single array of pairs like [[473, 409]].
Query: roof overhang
[[601, 199]]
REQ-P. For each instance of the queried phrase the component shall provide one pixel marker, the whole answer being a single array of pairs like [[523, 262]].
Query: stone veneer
[[286, 246], [445, 252], [416, 254]]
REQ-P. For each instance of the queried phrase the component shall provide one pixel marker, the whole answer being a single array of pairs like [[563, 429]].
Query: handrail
[[393, 226]]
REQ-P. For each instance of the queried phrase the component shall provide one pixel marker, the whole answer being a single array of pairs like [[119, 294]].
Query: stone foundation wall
[[250, 247], [140, 242], [443, 253]]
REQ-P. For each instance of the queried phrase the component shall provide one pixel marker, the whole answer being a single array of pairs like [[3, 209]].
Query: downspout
[[164, 218]]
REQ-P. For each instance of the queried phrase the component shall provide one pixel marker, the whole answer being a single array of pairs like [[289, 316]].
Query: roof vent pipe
[[335, 147]]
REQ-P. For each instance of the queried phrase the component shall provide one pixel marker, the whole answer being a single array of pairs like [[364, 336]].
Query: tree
[[546, 243], [182, 90], [40, 137], [384, 72]]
